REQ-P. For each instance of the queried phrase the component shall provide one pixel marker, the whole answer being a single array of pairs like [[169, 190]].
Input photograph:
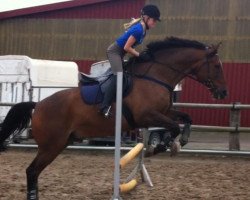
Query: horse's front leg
[[186, 119], [157, 119]]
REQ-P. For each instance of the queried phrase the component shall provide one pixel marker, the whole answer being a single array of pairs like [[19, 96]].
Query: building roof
[[49, 7]]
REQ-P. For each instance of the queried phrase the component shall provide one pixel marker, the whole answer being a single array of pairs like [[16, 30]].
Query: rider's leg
[[115, 55], [109, 97]]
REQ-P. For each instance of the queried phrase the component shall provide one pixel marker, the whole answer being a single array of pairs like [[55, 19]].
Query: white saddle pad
[[98, 71], [99, 68]]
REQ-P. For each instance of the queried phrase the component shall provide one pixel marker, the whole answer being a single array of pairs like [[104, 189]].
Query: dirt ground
[[84, 175]]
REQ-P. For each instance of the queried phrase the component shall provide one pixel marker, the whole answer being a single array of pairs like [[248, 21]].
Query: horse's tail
[[16, 121]]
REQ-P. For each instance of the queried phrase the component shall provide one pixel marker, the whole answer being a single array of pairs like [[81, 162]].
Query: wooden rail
[[234, 120]]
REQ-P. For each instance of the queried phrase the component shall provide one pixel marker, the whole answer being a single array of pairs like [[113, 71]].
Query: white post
[[118, 122], [144, 173]]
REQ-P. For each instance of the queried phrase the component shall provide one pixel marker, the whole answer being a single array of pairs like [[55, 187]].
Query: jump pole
[[131, 155], [144, 173], [118, 123], [131, 181], [138, 149]]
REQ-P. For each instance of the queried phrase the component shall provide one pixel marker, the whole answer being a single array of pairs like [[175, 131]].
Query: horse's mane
[[174, 42], [168, 43]]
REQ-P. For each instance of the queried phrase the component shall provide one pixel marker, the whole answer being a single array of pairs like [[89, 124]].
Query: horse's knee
[[187, 119], [175, 130], [185, 135]]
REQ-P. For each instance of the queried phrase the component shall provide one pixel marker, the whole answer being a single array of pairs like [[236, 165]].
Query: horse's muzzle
[[219, 93]]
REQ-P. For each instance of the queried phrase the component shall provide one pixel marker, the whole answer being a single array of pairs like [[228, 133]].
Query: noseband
[[208, 82]]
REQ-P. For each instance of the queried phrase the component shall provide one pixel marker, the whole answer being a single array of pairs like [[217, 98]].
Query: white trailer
[[25, 79]]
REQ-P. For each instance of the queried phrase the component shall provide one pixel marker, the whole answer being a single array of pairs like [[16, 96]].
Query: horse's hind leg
[[32, 174], [43, 158]]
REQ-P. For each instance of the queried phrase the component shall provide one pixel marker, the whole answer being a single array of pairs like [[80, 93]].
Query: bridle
[[208, 82]]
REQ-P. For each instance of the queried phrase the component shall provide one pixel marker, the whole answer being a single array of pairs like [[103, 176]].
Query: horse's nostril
[[224, 92]]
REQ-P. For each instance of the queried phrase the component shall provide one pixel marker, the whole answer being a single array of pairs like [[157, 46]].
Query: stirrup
[[106, 112]]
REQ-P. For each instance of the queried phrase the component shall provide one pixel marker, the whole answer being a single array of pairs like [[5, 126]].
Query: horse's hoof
[[183, 142], [160, 148], [3, 147], [175, 148]]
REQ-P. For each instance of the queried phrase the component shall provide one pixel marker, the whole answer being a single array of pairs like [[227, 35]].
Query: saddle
[[93, 85]]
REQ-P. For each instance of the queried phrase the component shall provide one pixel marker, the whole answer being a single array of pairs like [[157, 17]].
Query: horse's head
[[175, 54], [209, 72]]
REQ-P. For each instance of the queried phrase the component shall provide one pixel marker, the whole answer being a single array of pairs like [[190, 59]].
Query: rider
[[134, 35]]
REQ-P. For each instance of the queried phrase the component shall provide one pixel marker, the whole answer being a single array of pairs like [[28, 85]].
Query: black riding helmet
[[152, 11]]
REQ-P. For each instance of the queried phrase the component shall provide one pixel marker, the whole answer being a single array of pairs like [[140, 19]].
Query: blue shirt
[[136, 31]]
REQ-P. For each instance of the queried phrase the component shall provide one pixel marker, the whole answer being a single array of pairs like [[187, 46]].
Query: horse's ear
[[217, 46], [212, 53], [213, 49]]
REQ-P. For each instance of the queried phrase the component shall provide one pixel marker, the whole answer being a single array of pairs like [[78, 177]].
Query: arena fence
[[106, 148], [234, 120]]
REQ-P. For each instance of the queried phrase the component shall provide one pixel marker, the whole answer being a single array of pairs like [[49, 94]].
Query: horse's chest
[[147, 96]]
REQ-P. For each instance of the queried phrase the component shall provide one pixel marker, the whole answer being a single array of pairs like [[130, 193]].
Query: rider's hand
[[145, 57]]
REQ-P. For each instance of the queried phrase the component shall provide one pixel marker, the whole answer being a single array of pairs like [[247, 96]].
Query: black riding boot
[[108, 97]]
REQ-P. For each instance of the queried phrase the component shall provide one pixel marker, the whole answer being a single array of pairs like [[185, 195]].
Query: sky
[[6, 5]]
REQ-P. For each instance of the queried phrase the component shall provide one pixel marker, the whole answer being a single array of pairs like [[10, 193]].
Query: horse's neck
[[169, 67], [153, 70], [174, 67]]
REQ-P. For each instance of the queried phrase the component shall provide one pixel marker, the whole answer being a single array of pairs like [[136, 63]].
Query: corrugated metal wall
[[68, 33], [208, 21], [73, 39], [237, 75], [83, 33], [212, 21]]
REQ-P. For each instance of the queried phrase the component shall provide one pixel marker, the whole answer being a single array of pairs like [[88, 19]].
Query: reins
[[149, 78], [184, 73], [174, 69], [167, 86], [208, 82]]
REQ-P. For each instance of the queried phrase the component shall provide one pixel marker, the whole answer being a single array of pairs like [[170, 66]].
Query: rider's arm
[[128, 46]]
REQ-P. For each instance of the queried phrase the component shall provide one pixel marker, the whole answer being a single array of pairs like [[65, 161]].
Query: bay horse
[[64, 115]]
